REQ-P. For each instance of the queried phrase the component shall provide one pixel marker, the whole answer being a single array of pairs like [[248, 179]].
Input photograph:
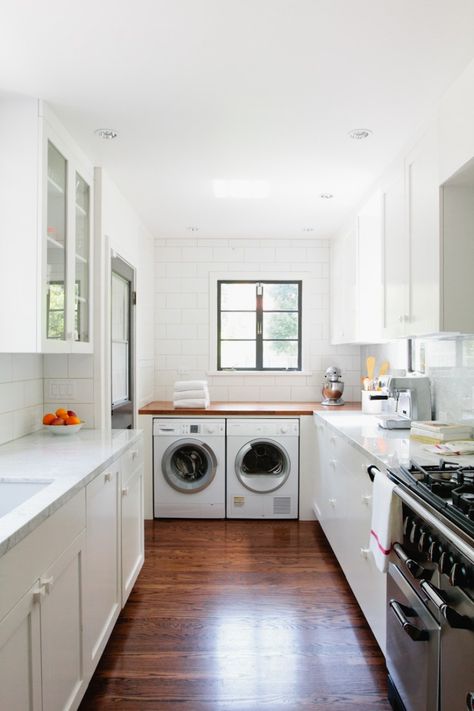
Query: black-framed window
[[259, 325]]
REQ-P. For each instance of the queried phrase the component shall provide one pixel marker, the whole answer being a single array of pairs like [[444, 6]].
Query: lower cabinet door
[[132, 530], [62, 648], [20, 656], [102, 570]]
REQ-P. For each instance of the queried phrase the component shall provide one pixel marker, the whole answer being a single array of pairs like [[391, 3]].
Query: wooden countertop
[[282, 409]]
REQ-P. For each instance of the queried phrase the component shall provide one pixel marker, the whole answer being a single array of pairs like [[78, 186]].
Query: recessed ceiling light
[[326, 196], [192, 228], [241, 189], [106, 133], [360, 133], [308, 229]]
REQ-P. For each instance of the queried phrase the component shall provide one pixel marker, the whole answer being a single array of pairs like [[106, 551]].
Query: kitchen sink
[[14, 492]]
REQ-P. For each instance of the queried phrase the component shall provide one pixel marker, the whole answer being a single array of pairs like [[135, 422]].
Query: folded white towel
[[386, 526], [198, 403], [191, 394], [190, 385]]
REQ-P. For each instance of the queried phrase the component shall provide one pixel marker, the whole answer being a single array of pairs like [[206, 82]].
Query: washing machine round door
[[189, 465], [262, 466]]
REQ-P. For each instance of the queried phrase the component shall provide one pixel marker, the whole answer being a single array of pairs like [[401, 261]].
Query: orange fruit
[[57, 421], [48, 418], [73, 420], [61, 412]]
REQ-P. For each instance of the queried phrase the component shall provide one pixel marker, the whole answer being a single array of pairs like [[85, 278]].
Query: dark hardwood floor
[[239, 615]]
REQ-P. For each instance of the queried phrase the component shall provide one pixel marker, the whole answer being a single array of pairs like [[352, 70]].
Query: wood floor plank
[[239, 616]]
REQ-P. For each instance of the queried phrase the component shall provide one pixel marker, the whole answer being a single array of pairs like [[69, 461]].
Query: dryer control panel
[[178, 427], [255, 427]]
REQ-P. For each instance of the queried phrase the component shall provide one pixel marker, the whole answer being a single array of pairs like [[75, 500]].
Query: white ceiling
[[239, 89]]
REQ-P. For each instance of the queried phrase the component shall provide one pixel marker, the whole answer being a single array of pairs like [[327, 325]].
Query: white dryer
[[189, 467], [262, 468]]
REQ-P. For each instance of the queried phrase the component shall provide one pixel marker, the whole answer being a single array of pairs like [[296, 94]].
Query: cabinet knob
[[108, 477], [366, 499], [332, 463], [125, 491], [38, 593], [134, 453], [332, 502], [365, 552], [47, 584]]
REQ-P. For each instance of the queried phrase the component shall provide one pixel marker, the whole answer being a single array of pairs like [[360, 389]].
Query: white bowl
[[63, 429]]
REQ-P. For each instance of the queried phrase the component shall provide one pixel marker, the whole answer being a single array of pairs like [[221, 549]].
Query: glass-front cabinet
[[67, 252]]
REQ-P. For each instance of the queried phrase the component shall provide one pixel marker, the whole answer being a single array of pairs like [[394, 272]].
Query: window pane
[[280, 297], [280, 354], [238, 354], [238, 297], [280, 325], [238, 325]]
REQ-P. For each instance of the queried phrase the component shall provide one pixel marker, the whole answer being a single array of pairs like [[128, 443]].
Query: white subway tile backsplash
[[6, 428], [55, 365], [11, 396], [183, 318], [6, 368], [32, 393], [80, 365], [27, 366], [27, 420]]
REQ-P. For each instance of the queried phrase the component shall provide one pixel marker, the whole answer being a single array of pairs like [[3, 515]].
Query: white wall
[[21, 395], [182, 316], [118, 228]]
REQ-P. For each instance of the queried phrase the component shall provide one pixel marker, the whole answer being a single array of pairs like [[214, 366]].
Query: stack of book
[[435, 432]]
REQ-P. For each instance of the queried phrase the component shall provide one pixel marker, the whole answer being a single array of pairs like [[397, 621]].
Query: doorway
[[122, 344]]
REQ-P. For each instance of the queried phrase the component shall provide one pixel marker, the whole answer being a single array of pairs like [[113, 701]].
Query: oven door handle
[[415, 569], [411, 630], [371, 469], [453, 618]]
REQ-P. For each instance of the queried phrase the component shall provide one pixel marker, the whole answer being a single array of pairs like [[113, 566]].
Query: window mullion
[[259, 325]]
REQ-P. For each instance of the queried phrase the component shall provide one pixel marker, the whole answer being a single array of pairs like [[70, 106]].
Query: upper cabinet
[[46, 232], [356, 278]]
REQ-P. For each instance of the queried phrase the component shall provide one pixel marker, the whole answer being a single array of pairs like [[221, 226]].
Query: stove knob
[[406, 525], [424, 541], [434, 551], [446, 562], [458, 574], [470, 701], [413, 531]]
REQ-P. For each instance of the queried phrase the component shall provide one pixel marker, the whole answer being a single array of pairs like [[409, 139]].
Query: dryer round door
[[189, 465], [262, 466]]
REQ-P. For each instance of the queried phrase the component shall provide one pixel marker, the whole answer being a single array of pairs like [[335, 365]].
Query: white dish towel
[[386, 527], [191, 394], [190, 385], [198, 404]]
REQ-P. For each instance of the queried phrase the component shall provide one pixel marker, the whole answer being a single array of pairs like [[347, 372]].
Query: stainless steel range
[[430, 591]]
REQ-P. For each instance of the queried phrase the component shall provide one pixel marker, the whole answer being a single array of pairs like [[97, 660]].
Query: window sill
[[272, 373]]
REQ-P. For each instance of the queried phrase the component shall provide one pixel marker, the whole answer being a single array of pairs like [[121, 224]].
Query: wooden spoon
[[370, 367]]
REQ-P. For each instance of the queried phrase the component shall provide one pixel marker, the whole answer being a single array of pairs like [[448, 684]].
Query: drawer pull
[[125, 491], [400, 612], [134, 453], [108, 477], [332, 502], [38, 593], [366, 499], [47, 584], [365, 552]]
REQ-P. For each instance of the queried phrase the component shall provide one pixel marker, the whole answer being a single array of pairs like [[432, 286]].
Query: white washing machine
[[262, 468], [189, 467]]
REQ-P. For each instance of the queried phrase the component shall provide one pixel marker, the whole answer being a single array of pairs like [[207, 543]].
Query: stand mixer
[[333, 387]]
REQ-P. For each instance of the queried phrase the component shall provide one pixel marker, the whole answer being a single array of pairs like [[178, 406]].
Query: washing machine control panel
[[175, 427]]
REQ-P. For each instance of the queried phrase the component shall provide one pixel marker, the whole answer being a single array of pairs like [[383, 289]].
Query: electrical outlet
[[61, 389]]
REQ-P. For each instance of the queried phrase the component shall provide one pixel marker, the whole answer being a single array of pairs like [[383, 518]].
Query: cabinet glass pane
[[82, 246], [56, 215]]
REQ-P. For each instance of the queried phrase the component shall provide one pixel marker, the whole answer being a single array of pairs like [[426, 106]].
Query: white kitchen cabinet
[[133, 546], [41, 635], [343, 285], [45, 228], [343, 500], [20, 655], [62, 625], [102, 578], [356, 278]]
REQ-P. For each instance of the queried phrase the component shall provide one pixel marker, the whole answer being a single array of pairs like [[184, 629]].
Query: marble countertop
[[68, 462], [385, 447]]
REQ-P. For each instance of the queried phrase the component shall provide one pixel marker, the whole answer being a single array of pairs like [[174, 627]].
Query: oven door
[[413, 638]]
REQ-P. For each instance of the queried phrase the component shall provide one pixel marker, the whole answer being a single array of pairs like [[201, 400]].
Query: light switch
[[63, 389]]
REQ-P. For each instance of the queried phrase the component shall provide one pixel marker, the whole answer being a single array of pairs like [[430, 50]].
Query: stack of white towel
[[191, 393]]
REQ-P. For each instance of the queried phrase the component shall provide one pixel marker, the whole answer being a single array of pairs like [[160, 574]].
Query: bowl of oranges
[[62, 422]]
